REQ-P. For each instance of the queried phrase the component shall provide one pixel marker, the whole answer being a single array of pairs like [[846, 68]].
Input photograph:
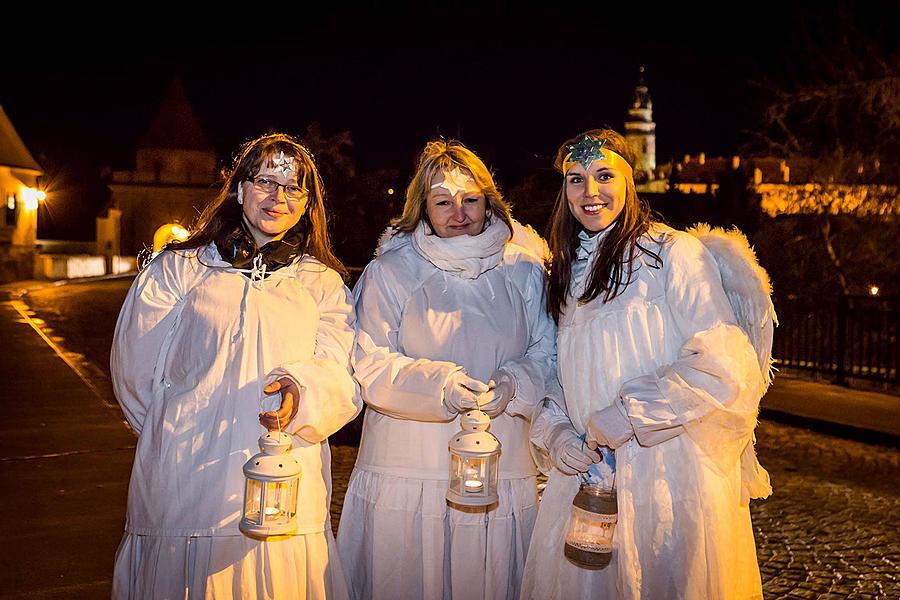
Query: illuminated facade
[[175, 167], [20, 194]]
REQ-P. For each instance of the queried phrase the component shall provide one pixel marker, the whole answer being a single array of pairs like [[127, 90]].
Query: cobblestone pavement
[[830, 530]]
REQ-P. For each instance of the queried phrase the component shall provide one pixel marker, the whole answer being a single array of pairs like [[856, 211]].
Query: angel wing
[[749, 292], [747, 287]]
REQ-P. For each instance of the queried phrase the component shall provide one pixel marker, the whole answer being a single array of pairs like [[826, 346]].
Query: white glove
[[570, 455], [610, 426], [503, 389], [461, 392]]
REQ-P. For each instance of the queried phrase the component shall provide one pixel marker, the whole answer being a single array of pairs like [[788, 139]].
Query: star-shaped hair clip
[[586, 150], [283, 163], [454, 180]]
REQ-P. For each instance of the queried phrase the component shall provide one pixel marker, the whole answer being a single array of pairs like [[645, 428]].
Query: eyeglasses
[[270, 186]]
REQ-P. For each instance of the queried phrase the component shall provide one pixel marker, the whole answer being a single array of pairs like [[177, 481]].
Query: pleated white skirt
[[282, 568], [399, 539]]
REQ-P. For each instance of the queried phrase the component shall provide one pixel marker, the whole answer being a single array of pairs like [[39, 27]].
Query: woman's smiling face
[[269, 215], [596, 195]]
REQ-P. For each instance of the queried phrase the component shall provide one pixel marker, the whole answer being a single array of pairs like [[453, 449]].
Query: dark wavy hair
[[614, 264], [224, 213]]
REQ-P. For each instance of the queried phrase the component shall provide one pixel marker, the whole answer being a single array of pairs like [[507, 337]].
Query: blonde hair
[[440, 155]]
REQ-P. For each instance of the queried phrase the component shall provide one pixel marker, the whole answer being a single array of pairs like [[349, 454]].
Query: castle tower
[[640, 131]]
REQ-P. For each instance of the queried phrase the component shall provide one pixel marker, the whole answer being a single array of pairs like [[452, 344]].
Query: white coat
[[690, 380], [418, 323], [195, 344]]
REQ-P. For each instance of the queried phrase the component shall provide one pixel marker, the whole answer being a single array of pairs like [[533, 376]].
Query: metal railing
[[844, 338]]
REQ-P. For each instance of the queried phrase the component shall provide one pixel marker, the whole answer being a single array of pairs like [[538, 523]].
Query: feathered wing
[[749, 292], [747, 287]]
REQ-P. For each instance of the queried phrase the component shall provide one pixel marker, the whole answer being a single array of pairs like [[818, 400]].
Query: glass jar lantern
[[270, 491], [474, 462], [591, 527]]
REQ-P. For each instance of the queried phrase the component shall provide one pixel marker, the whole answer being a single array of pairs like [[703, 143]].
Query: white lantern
[[270, 492], [591, 527], [474, 462]]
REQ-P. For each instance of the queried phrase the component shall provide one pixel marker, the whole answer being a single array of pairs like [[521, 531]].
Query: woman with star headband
[[243, 327], [451, 316], [654, 366]]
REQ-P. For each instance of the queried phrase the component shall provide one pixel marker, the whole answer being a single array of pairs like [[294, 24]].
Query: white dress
[[195, 344], [419, 323], [691, 383]]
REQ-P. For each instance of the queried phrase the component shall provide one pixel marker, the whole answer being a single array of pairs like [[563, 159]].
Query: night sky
[[512, 83]]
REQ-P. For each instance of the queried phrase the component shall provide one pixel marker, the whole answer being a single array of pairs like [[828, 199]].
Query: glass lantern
[[591, 527], [474, 462], [272, 484]]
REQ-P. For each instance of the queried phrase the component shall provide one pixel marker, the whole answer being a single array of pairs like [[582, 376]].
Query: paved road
[[829, 531]]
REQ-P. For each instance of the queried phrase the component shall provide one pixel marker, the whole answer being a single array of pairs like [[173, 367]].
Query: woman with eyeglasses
[[451, 317], [243, 327]]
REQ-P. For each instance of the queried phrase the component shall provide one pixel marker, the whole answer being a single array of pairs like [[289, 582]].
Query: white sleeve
[[142, 336], [711, 391], [549, 415], [532, 372], [391, 382], [328, 398]]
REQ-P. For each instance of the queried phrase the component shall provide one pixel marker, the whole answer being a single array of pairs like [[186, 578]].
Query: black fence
[[845, 338]]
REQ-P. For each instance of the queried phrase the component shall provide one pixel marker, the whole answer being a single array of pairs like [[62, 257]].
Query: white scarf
[[466, 256], [584, 257]]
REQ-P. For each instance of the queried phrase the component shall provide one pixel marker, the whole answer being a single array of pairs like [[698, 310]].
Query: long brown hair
[[445, 154], [614, 265], [224, 213]]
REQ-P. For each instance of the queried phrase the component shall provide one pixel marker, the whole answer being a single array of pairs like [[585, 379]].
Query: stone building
[[173, 178], [20, 194]]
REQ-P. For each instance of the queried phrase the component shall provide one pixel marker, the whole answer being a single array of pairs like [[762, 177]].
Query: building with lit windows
[[20, 193]]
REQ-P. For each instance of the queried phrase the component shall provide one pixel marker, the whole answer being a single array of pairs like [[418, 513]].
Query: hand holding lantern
[[290, 402]]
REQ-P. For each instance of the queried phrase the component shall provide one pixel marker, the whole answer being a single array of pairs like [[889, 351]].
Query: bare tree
[[839, 121]]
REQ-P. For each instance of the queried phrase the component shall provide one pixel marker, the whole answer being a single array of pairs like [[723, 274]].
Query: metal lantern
[[270, 492], [591, 527], [474, 462]]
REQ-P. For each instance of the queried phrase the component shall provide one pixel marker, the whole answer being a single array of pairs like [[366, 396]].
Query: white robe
[[195, 344], [398, 538], [691, 384]]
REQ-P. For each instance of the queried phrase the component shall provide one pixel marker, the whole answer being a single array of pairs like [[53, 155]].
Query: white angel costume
[[427, 307], [668, 355], [195, 344]]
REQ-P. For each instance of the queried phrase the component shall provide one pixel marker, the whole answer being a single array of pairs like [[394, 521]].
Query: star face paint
[[453, 181], [285, 165], [455, 204]]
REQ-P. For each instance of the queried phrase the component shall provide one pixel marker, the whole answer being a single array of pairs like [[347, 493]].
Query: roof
[[13, 152], [176, 125]]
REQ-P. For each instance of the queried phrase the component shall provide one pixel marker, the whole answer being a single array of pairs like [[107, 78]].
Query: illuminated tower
[[640, 131]]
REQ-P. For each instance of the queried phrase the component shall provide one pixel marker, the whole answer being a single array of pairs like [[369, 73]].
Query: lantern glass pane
[[251, 499], [456, 473], [493, 464], [281, 501]]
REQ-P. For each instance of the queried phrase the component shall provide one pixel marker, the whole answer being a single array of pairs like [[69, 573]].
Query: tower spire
[[640, 130]]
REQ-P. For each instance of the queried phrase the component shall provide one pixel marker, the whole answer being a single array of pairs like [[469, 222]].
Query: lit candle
[[271, 511], [473, 485]]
